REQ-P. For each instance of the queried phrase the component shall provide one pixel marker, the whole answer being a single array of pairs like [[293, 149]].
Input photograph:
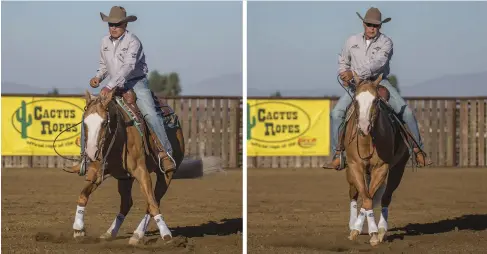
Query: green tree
[[276, 94], [165, 84], [394, 82]]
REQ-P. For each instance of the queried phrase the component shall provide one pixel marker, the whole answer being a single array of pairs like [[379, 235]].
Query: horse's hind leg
[[162, 184], [393, 180], [144, 179], [126, 202], [79, 224]]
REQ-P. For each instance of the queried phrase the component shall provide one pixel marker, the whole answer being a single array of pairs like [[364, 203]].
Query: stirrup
[[424, 158], [159, 160], [82, 167]]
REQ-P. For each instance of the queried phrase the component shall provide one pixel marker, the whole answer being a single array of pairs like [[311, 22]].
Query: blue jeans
[[397, 103], [146, 105]]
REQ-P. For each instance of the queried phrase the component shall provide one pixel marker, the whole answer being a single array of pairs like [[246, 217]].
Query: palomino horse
[[377, 151], [121, 150]]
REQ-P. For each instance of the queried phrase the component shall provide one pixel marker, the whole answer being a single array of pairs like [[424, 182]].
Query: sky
[[56, 44], [291, 45], [295, 45]]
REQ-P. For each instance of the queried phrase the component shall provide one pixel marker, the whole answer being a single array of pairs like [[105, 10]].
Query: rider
[[368, 54], [122, 57]]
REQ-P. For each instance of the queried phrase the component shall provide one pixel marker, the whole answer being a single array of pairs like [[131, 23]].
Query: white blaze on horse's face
[[365, 100], [93, 122]]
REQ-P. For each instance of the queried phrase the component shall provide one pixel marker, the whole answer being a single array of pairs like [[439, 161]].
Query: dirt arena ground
[[38, 207], [307, 210]]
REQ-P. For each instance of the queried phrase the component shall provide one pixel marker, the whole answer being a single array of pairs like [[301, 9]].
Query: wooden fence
[[454, 133], [211, 127]]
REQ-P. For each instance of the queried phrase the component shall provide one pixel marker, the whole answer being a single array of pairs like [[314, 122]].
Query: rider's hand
[[346, 76], [94, 82], [104, 91]]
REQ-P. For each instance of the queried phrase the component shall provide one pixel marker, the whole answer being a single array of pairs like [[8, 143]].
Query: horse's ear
[[356, 78], [87, 97], [108, 98], [378, 80]]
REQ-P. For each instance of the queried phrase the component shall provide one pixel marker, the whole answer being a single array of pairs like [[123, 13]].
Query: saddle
[[126, 99]]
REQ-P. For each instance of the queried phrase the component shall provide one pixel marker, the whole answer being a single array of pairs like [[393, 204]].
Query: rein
[[376, 102], [110, 146], [101, 143]]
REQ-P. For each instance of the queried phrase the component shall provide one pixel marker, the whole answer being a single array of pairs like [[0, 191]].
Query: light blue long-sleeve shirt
[[367, 61], [122, 59]]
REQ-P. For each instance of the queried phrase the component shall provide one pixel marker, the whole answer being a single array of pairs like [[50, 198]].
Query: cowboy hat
[[373, 16], [117, 15]]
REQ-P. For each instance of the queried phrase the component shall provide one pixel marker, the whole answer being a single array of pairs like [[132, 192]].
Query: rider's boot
[[163, 157], [337, 162], [421, 159], [167, 162]]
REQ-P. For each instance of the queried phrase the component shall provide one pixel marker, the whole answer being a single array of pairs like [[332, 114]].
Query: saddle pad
[[133, 115]]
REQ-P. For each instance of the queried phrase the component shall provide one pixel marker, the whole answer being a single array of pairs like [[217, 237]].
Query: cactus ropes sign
[[31, 124], [284, 127]]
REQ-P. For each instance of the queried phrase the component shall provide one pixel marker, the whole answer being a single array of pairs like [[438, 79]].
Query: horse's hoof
[[135, 239], [107, 236], [382, 234], [79, 233], [374, 240], [167, 237], [353, 235]]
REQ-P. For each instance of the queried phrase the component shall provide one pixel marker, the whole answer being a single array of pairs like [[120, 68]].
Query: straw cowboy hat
[[373, 16], [117, 15]]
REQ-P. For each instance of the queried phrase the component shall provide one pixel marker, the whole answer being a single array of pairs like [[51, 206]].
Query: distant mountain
[[458, 85], [224, 85], [297, 93], [14, 88]]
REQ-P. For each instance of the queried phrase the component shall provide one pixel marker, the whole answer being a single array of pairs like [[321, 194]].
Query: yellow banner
[[30, 125], [288, 127]]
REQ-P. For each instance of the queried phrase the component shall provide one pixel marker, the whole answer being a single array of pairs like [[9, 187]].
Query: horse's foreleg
[[126, 202], [378, 176], [79, 224], [355, 177], [353, 193]]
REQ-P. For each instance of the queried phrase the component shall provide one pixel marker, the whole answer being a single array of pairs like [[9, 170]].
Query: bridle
[[100, 156], [375, 105]]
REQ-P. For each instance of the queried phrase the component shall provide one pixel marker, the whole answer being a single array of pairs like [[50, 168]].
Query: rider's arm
[[129, 61], [102, 71], [344, 59], [373, 67]]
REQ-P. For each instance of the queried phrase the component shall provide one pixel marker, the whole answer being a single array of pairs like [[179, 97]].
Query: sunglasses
[[115, 24], [372, 25]]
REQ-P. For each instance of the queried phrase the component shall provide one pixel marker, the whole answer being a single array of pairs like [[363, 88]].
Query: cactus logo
[[44, 119], [273, 122]]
